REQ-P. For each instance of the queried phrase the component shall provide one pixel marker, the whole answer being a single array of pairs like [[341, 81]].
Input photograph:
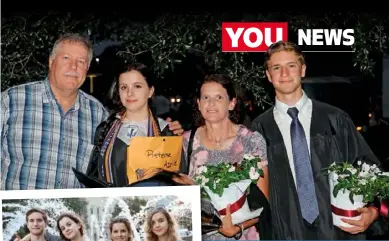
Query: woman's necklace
[[217, 142]]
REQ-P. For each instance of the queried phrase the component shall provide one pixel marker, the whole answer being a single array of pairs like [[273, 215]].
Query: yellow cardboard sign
[[147, 156]]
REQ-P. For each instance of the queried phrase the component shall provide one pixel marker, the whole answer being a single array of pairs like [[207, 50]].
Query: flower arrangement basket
[[227, 183], [353, 187]]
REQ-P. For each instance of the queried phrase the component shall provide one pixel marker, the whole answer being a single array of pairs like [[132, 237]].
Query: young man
[[36, 223], [304, 136], [48, 127]]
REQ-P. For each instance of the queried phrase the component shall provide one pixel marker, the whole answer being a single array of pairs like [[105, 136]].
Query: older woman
[[219, 138]]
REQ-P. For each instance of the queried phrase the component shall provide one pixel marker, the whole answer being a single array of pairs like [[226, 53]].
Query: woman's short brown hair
[[228, 84]]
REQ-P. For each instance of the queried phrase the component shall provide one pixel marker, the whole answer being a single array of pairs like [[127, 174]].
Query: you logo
[[258, 36]]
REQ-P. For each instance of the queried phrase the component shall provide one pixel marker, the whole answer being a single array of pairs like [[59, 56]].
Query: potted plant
[[353, 187], [227, 183]]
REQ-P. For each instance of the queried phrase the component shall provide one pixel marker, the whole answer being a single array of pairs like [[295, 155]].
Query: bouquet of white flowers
[[353, 187], [227, 183]]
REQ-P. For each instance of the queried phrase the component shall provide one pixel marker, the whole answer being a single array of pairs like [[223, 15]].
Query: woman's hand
[[175, 126], [228, 229], [183, 179]]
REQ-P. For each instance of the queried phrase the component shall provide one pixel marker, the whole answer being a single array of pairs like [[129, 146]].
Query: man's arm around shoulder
[[52, 237]]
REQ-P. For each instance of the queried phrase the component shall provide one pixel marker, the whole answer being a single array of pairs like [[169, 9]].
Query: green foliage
[[382, 182], [364, 179], [78, 205], [134, 205], [371, 35], [220, 176], [171, 39], [27, 41]]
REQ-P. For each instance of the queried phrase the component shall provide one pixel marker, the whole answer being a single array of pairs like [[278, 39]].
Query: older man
[[48, 127]]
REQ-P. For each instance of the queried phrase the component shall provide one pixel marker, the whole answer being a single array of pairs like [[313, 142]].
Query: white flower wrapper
[[230, 195], [342, 201]]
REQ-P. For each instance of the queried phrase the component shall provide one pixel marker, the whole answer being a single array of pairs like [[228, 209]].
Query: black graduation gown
[[95, 174], [333, 138]]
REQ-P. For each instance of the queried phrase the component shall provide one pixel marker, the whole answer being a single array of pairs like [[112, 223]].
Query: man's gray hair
[[74, 38]]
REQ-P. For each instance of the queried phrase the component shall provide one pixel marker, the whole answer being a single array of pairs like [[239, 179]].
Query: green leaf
[[336, 190], [351, 197]]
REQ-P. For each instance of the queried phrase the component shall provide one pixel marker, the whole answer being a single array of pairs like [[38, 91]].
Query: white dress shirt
[[283, 120]]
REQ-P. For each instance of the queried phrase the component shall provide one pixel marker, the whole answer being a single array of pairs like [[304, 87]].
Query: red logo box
[[252, 36]]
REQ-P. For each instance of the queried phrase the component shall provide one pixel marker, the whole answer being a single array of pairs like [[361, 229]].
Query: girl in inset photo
[[160, 226], [71, 227], [120, 229]]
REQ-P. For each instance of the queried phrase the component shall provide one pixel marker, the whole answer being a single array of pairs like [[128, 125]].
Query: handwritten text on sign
[[150, 153], [161, 157]]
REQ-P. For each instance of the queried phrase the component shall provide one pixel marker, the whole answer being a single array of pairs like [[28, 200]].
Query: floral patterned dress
[[246, 142]]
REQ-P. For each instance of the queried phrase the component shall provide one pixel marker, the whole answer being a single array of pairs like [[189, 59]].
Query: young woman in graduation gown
[[132, 117]]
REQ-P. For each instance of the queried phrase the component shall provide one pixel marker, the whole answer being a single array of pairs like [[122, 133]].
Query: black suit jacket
[[333, 138]]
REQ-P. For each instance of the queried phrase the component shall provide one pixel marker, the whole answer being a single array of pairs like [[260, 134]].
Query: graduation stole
[[106, 149]]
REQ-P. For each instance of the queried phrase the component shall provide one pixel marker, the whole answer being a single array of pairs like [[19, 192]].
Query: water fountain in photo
[[96, 217], [109, 206]]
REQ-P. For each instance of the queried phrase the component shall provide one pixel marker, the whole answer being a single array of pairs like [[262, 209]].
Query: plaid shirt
[[40, 143]]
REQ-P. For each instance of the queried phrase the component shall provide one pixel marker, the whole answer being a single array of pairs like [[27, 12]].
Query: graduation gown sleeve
[[334, 138], [354, 144]]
